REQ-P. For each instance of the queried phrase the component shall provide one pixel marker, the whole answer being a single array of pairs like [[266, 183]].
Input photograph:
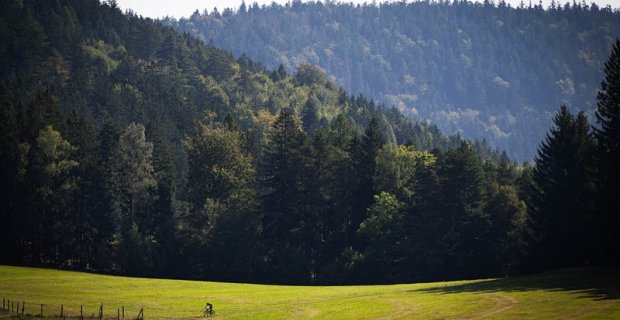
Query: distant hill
[[101, 62], [96, 60], [486, 71]]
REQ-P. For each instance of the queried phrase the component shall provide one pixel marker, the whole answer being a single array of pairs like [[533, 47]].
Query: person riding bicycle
[[209, 309]]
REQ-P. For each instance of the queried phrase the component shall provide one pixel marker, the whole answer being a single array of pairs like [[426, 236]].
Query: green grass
[[567, 294]]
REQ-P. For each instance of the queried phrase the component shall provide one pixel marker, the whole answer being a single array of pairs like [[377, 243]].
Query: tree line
[[180, 161]]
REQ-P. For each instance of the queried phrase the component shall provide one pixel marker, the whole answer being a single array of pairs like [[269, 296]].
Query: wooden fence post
[[123, 312], [101, 312], [118, 314], [17, 310], [23, 307], [41, 310], [61, 310]]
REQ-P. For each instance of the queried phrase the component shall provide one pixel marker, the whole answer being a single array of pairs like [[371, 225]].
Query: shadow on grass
[[597, 284]]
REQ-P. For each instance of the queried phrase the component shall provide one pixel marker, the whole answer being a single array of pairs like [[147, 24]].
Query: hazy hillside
[[486, 71]]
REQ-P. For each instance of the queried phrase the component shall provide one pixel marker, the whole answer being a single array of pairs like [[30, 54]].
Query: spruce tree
[[282, 190], [559, 221], [462, 199], [364, 154], [89, 211], [607, 156]]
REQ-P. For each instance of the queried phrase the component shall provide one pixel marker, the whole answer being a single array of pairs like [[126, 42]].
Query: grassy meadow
[[566, 294]]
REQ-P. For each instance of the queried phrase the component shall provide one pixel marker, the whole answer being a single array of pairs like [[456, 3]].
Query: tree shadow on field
[[592, 283]]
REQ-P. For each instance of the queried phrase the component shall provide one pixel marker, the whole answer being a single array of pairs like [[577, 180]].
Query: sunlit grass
[[571, 294]]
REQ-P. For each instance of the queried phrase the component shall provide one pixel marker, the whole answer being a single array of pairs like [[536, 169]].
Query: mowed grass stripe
[[567, 294]]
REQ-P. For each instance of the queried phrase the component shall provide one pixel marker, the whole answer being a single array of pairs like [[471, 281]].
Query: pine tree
[[607, 159], [462, 201], [364, 154], [282, 190], [134, 174], [90, 212], [310, 115], [162, 216], [559, 220], [134, 183]]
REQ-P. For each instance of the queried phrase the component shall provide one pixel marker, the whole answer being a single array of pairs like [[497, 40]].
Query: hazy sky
[[184, 8]]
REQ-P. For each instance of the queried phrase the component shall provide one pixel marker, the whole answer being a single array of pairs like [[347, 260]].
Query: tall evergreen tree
[[607, 159], [134, 184], [309, 115], [91, 212], [559, 221], [364, 154], [282, 189], [462, 202], [163, 225]]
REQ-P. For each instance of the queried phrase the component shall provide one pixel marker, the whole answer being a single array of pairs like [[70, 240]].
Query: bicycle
[[208, 311]]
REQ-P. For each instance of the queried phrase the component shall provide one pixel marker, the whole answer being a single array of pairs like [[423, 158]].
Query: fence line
[[40, 310]]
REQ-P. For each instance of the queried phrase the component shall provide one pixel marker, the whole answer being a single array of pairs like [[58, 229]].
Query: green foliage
[[218, 169], [560, 194], [607, 156], [487, 71], [221, 225], [397, 169], [54, 153], [309, 75], [286, 179], [133, 167], [383, 229]]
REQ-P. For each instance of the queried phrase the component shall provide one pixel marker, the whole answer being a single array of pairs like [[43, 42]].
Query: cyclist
[[209, 309]]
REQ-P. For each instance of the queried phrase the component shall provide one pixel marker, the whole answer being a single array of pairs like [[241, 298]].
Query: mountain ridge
[[485, 71]]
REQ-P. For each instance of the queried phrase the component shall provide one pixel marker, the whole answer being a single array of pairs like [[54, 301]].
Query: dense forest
[[129, 148], [488, 71]]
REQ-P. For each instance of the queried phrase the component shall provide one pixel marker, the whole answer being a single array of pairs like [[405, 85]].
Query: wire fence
[[24, 309]]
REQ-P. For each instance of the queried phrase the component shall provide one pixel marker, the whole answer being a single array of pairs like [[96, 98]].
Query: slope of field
[[569, 294]]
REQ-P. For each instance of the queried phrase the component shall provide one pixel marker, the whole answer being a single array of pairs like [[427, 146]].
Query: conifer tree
[[608, 157], [364, 154], [282, 189], [90, 212], [559, 221], [309, 115], [134, 183]]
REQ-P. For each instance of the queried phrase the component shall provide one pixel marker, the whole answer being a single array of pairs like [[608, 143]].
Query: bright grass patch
[[568, 294]]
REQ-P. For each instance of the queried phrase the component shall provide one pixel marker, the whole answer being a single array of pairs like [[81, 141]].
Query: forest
[[129, 148], [483, 69]]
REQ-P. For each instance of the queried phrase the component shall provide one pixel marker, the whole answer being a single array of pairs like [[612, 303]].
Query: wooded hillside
[[482, 69]]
